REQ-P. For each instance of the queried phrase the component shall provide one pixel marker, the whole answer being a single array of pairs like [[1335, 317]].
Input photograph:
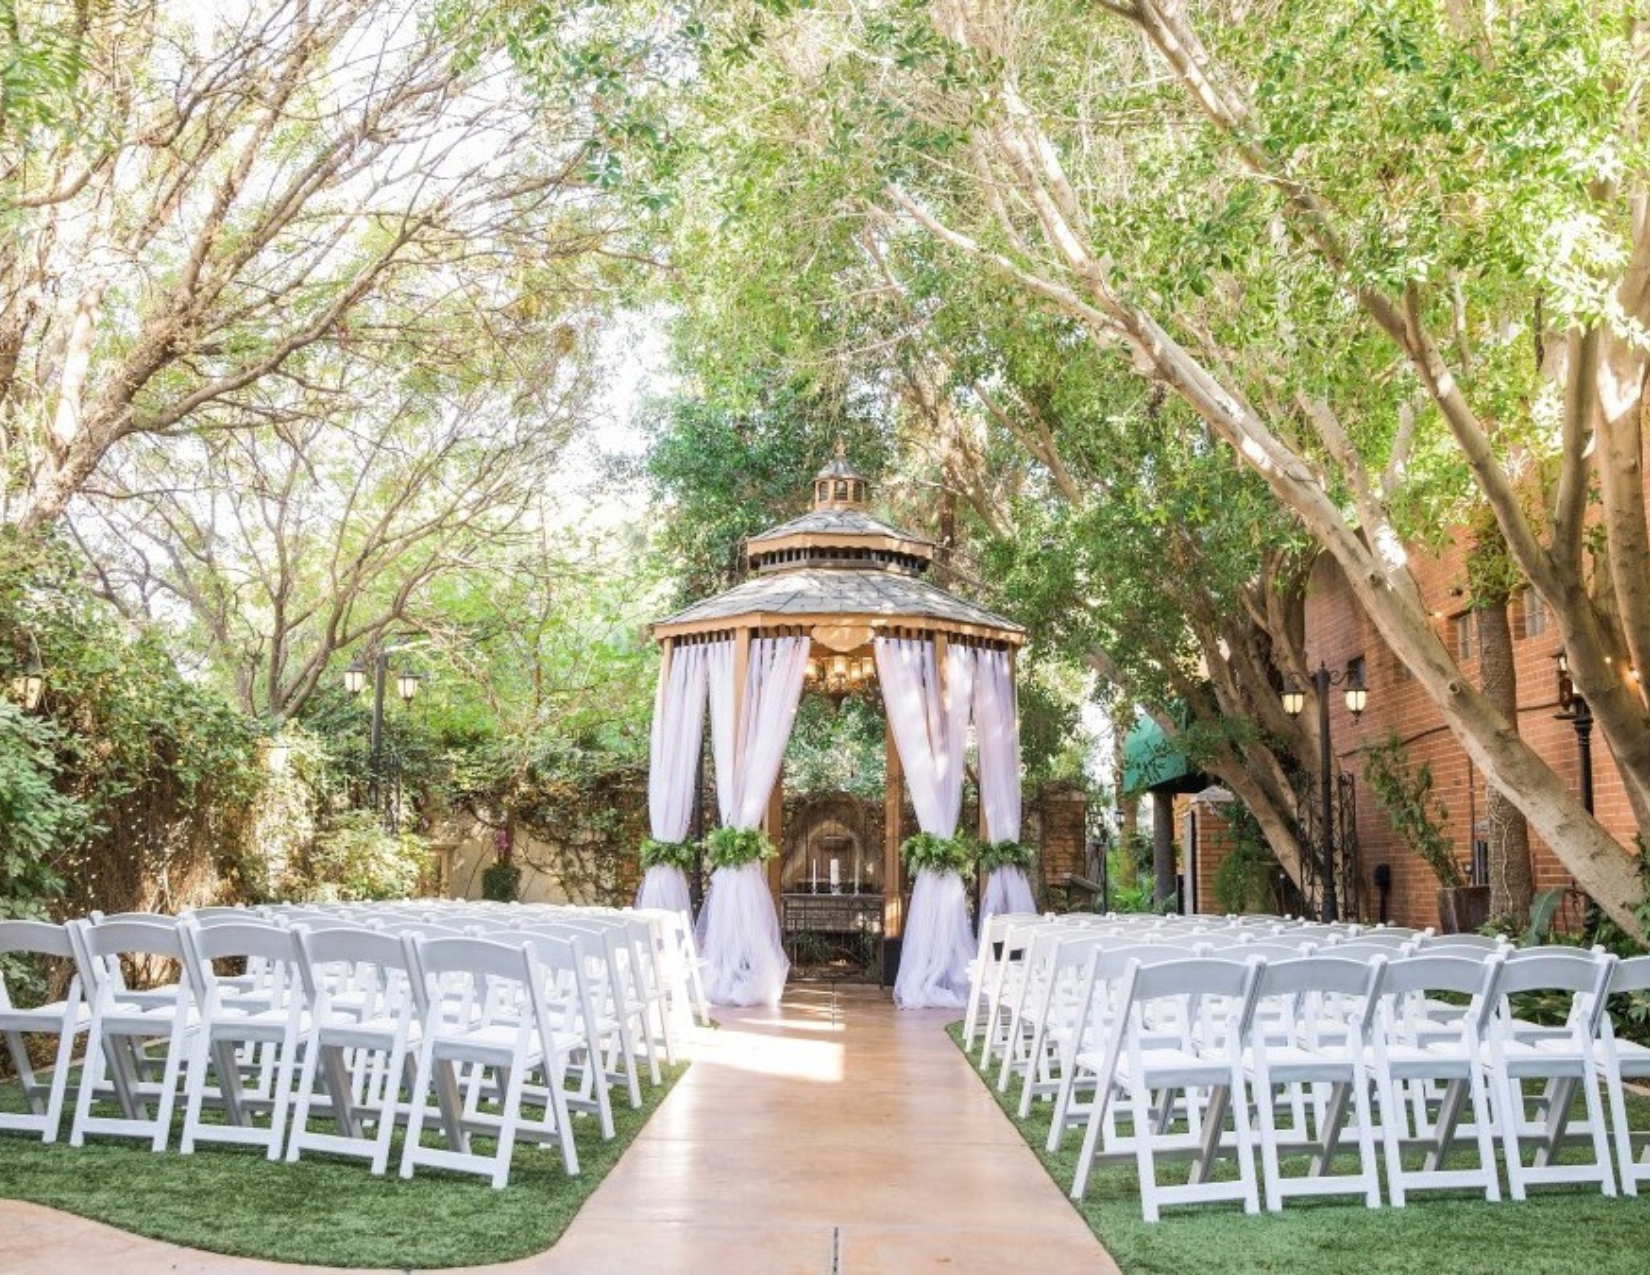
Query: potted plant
[[1418, 819]]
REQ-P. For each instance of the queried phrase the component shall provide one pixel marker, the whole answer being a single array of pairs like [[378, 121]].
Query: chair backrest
[[1631, 975], [140, 935], [464, 955], [1484, 942], [1325, 973], [350, 973], [41, 937], [1359, 950], [229, 939], [1214, 999], [1567, 969], [1463, 974]]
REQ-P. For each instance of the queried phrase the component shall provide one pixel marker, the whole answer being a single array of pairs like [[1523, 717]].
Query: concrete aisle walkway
[[837, 1135]]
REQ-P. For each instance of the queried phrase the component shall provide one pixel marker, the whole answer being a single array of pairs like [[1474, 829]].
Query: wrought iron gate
[[1310, 805]]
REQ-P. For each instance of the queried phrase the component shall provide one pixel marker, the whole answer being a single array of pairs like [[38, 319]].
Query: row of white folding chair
[[1484, 1053], [1021, 997], [220, 1017]]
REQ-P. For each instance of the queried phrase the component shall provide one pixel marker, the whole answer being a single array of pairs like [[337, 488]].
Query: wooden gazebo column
[[893, 808]]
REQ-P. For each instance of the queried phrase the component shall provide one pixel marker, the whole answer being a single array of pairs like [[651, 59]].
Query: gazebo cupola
[[838, 534]]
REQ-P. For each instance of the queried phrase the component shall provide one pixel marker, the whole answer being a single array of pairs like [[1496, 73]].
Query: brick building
[[1338, 631]]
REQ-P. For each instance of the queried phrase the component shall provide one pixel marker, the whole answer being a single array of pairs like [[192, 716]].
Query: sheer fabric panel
[[673, 766], [738, 929], [938, 945]]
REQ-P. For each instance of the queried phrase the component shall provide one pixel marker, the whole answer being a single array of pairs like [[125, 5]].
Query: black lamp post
[[1294, 700], [406, 686], [1574, 709]]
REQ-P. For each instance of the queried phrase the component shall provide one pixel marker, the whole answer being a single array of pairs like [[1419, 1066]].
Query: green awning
[[1151, 761]]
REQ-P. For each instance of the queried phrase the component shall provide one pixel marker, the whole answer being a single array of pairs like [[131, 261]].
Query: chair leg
[[1091, 1138], [169, 1084], [1271, 1171], [415, 1115], [283, 1092], [60, 1084], [1486, 1148], [1140, 1105], [89, 1076], [194, 1086], [1394, 1119], [1623, 1132], [1366, 1140]]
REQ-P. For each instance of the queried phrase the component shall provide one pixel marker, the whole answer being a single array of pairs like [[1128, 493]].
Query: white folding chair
[[122, 1023], [232, 1025], [65, 1019], [1208, 1004], [1625, 1059], [1327, 1004], [1010, 967], [612, 1051], [363, 1023], [1413, 1051], [982, 972], [1084, 1039], [571, 1007], [486, 1011], [1562, 1057]]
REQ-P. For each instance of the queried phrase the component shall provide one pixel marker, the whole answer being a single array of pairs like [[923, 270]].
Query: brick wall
[[1057, 821], [1338, 630]]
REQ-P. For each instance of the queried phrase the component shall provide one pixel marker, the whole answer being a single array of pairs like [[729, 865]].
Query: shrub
[[359, 859], [501, 882]]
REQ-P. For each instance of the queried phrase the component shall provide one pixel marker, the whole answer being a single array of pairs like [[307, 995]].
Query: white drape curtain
[[930, 737], [930, 728], [739, 932], [997, 724], [678, 726]]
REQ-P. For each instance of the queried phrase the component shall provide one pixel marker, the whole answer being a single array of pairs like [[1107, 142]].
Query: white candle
[[836, 873], [814, 884], [856, 874]]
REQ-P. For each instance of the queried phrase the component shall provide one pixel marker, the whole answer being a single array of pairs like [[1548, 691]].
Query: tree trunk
[[1509, 833], [1163, 847]]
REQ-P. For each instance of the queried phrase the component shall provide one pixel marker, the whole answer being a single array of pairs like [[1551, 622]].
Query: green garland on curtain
[[668, 854], [734, 847], [1006, 854], [941, 854]]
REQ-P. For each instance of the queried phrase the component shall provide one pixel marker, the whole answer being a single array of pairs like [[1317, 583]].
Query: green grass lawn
[[1559, 1229], [325, 1211]]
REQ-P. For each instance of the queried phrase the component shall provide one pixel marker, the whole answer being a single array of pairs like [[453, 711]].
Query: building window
[[1465, 630], [1533, 614]]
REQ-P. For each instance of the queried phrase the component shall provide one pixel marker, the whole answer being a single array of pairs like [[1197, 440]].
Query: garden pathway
[[832, 1137]]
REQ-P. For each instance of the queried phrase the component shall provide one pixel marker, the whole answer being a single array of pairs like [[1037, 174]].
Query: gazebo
[[834, 599]]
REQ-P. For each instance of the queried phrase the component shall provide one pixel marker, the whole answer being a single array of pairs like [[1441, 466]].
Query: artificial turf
[[1557, 1230], [322, 1211]]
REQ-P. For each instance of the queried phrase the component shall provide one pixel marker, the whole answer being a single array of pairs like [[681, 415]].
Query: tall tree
[[218, 193]]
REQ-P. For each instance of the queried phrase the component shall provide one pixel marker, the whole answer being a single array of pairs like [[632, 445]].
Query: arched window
[[841, 489]]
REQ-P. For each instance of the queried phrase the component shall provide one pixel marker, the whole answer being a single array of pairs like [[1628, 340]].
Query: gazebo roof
[[866, 597], [842, 574], [836, 522]]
